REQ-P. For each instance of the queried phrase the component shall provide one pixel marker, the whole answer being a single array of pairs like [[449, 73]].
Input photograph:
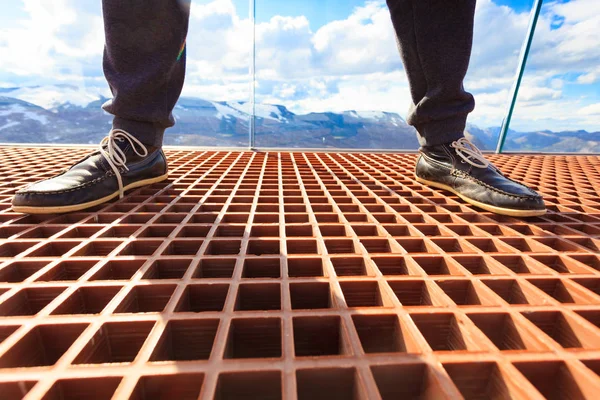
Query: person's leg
[[435, 39], [144, 63]]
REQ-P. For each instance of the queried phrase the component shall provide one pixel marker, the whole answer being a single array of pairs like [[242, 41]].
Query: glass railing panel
[[558, 106], [328, 74], [52, 83]]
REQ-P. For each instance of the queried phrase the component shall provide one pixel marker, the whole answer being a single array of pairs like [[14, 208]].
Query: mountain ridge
[[78, 119]]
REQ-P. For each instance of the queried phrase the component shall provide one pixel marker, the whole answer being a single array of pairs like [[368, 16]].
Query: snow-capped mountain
[[67, 114]]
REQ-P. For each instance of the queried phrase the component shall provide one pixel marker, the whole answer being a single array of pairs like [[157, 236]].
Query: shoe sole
[[83, 206], [497, 210]]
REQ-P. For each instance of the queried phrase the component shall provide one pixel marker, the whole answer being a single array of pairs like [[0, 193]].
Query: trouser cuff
[[149, 133], [439, 132]]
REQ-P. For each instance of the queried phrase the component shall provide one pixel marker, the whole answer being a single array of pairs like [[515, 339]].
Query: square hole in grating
[[44, 345], [235, 218], [260, 247], [268, 219], [186, 340], [481, 380], [338, 246], [478, 265], [298, 218], [553, 379], [505, 333], [517, 264], [223, 247], [202, 218], [592, 284], [407, 381], [465, 293], [588, 260], [362, 294], [263, 385], [83, 388], [560, 265], [436, 265], [416, 293], [15, 390], [332, 230], [382, 334], [18, 271], [141, 248], [55, 249], [12, 249], [264, 231], [441, 331], [329, 384], [310, 296], [230, 231], [214, 268], [302, 247], [142, 299], [194, 231], [184, 386], [68, 270], [29, 301], [203, 297], [120, 231], [170, 268], [258, 296], [562, 330], [118, 270], [349, 266], [512, 292], [261, 268], [391, 265], [558, 290], [305, 267], [319, 336], [450, 245], [6, 331], [365, 230], [299, 231], [183, 247], [376, 245], [254, 338], [43, 232], [115, 342], [330, 218], [87, 300], [398, 230], [157, 231], [97, 248], [488, 245]]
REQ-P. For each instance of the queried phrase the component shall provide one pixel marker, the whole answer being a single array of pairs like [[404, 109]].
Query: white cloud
[[592, 109], [350, 63]]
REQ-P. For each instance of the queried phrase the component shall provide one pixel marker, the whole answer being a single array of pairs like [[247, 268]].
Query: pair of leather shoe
[[123, 163]]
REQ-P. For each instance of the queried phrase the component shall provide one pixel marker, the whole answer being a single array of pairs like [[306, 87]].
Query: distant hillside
[[64, 114]]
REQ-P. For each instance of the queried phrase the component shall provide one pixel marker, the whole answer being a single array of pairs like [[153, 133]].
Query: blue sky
[[317, 55]]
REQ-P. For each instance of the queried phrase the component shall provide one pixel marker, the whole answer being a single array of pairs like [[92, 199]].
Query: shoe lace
[[470, 153], [115, 156]]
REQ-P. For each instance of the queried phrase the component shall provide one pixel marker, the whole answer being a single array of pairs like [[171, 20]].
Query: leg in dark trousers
[[435, 39], [144, 63]]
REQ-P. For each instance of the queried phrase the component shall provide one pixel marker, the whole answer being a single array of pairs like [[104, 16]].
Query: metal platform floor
[[273, 275]]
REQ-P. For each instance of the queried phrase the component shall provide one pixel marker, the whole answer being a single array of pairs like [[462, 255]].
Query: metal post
[[535, 13], [251, 125]]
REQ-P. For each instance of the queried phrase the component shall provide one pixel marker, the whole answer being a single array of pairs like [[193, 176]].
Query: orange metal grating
[[300, 275]]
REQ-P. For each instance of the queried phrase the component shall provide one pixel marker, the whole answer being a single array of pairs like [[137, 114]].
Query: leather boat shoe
[[121, 163], [461, 168]]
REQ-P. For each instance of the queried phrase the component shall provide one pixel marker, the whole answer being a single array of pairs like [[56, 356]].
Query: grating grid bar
[[300, 275]]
